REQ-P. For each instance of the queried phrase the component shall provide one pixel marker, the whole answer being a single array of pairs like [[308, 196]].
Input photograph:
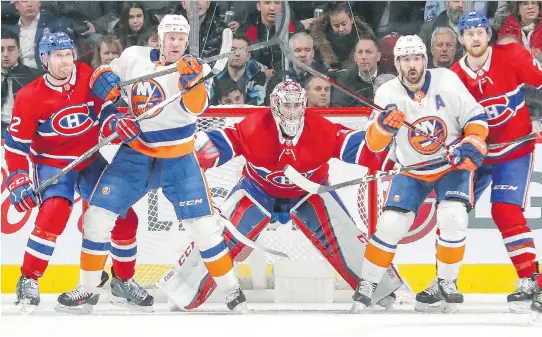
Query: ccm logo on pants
[[190, 202], [505, 187]]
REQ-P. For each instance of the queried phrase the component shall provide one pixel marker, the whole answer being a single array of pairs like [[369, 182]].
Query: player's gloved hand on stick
[[391, 119], [126, 126], [191, 71], [206, 151], [21, 191], [103, 83], [469, 154]]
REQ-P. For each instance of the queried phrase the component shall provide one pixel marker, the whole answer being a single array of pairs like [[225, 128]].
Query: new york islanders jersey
[[498, 87], [169, 132], [267, 152], [54, 125], [443, 108]]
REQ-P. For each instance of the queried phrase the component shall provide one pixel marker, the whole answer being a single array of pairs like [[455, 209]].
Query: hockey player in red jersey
[[55, 120], [495, 75], [269, 141]]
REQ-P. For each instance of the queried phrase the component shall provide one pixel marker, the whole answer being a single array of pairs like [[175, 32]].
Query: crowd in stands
[[350, 41]]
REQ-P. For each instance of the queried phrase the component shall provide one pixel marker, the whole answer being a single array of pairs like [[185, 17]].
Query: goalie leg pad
[[207, 234], [51, 221], [124, 246], [324, 220], [392, 226], [453, 219], [97, 226]]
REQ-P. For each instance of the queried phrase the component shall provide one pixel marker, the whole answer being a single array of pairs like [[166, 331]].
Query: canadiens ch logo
[[72, 120], [498, 109], [145, 95], [280, 180], [433, 126]]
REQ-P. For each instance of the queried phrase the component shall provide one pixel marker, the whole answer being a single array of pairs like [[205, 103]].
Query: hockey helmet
[[473, 19], [290, 119], [55, 41], [409, 45], [172, 23]]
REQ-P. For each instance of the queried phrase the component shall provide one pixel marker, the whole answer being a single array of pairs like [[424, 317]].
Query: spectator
[[443, 45], [386, 17], [15, 75], [335, 36], [229, 93], [434, 8], [247, 73], [30, 30], [318, 92], [133, 22], [211, 27], [264, 29], [524, 25], [150, 38], [361, 76], [106, 51]]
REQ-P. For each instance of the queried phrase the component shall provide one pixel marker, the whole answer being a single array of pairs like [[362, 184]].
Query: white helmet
[[172, 23], [290, 119], [409, 45]]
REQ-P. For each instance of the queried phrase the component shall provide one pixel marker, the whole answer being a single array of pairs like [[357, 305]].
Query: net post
[[372, 204]]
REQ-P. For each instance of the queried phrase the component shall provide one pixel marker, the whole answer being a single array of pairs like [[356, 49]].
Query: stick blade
[[227, 39], [300, 180]]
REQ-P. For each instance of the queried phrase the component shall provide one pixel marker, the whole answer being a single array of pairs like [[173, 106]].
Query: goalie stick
[[217, 69], [315, 188], [280, 33]]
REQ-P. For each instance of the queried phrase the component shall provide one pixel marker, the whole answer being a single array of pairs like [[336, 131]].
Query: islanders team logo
[[433, 126], [72, 120], [146, 95]]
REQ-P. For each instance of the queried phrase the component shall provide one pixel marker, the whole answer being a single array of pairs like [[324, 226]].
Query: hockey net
[[162, 239]]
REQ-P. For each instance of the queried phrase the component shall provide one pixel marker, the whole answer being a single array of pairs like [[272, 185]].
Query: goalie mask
[[288, 102]]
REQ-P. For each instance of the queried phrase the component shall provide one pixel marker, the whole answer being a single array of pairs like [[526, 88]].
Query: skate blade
[[387, 303], [357, 307], [25, 308], [448, 308], [121, 302], [427, 308], [84, 309], [241, 308], [520, 307]]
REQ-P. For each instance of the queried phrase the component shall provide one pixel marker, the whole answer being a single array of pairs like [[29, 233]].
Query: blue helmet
[[54, 41], [472, 20]]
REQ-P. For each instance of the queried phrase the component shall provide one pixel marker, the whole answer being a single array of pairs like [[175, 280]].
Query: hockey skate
[[448, 292], [388, 301], [362, 296], [80, 301], [520, 300], [129, 294], [428, 300], [236, 300], [28, 295], [536, 306]]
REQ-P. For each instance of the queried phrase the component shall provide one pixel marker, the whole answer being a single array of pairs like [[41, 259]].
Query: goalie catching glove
[[206, 151], [191, 71], [391, 119], [21, 191], [469, 154]]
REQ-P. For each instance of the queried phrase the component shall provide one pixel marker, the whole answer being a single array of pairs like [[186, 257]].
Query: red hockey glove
[[21, 191], [469, 154], [391, 119], [126, 126], [103, 83], [191, 71], [206, 151]]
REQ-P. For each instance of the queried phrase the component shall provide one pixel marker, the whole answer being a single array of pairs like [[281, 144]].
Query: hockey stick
[[217, 69], [290, 55], [279, 35], [531, 136], [315, 188]]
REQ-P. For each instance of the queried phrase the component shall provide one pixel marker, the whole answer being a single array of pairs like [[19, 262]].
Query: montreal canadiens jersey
[[498, 87], [54, 125], [267, 152], [169, 132], [443, 108]]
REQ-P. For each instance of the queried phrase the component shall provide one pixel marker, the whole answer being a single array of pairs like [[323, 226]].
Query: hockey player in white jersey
[[436, 101], [159, 154]]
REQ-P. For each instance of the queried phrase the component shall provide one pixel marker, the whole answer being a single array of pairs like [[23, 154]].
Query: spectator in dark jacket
[[133, 22]]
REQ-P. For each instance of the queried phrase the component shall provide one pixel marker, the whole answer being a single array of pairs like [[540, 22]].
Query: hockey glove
[[21, 191], [191, 71], [206, 151], [125, 126], [391, 119], [103, 83], [469, 154]]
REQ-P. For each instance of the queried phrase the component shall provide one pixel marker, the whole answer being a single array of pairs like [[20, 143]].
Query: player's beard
[[412, 79], [479, 53]]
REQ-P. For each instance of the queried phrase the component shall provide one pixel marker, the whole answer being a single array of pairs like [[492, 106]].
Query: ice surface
[[481, 315]]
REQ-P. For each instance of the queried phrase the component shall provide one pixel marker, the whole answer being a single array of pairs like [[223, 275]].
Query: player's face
[[10, 53], [291, 111], [61, 63], [135, 19], [476, 41], [238, 61], [341, 23], [412, 68], [174, 46]]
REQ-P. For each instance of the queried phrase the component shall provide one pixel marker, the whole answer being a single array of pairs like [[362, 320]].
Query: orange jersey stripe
[[450, 255], [221, 266], [428, 177], [378, 256], [91, 262], [171, 151]]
